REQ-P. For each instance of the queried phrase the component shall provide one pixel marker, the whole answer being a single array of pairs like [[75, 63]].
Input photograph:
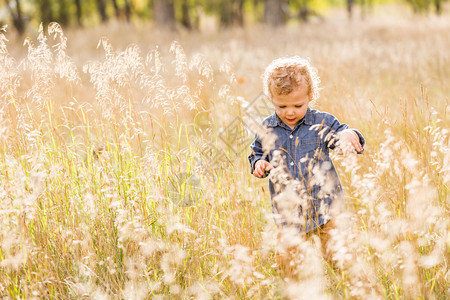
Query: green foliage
[[254, 11], [64, 11], [424, 6], [315, 5]]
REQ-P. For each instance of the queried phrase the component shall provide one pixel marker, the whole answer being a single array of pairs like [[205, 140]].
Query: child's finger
[[258, 165], [261, 165], [357, 145], [258, 171]]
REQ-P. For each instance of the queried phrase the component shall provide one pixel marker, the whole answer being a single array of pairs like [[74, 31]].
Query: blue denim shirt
[[305, 160]]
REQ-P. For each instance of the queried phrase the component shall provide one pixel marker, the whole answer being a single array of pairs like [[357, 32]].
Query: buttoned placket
[[292, 150], [291, 146]]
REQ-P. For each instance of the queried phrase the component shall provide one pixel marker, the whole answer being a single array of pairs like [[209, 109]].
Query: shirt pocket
[[311, 147], [309, 152]]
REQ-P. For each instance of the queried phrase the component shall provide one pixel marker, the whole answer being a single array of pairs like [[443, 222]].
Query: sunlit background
[[125, 129]]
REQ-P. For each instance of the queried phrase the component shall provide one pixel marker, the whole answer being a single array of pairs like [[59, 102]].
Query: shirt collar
[[274, 120]]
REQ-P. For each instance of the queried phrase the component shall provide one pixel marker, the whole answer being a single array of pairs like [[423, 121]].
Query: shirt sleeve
[[257, 153], [336, 127]]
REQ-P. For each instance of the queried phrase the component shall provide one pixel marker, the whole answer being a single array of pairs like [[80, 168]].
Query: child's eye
[[282, 106], [298, 106]]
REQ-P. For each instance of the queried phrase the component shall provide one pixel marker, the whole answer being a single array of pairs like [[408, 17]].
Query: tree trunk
[[164, 13], [18, 21], [185, 17], [46, 12], [239, 13], [226, 13], [79, 12], [116, 9], [273, 13], [438, 6], [304, 11], [231, 13], [125, 10], [128, 10], [101, 6], [350, 8], [63, 15]]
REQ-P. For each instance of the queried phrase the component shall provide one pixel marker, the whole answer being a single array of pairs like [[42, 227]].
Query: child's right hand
[[260, 167]]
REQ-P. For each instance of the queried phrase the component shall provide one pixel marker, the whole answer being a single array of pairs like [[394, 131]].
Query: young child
[[295, 148]]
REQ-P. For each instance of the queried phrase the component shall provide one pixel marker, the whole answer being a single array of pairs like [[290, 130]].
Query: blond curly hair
[[283, 75]]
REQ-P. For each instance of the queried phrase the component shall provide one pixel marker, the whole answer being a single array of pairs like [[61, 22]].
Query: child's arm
[[347, 139], [258, 161]]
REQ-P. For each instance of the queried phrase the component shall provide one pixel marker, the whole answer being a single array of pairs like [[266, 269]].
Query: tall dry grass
[[124, 170]]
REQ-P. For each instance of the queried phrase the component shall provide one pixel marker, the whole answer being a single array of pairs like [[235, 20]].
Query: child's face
[[291, 108]]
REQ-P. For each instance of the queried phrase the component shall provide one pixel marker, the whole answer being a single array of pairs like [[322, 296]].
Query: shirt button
[[292, 163], [291, 136]]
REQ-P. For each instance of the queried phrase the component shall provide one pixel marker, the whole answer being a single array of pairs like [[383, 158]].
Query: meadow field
[[124, 171]]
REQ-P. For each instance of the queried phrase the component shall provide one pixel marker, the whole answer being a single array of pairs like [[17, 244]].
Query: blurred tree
[[128, 10], [423, 6], [230, 12], [101, 6], [164, 13], [63, 13], [226, 13], [304, 9], [116, 8], [186, 19], [167, 13], [350, 8], [438, 7], [274, 15], [46, 13], [304, 12], [79, 12], [121, 12], [16, 15], [239, 12]]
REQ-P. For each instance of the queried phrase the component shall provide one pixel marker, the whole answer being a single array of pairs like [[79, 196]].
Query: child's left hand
[[349, 141]]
